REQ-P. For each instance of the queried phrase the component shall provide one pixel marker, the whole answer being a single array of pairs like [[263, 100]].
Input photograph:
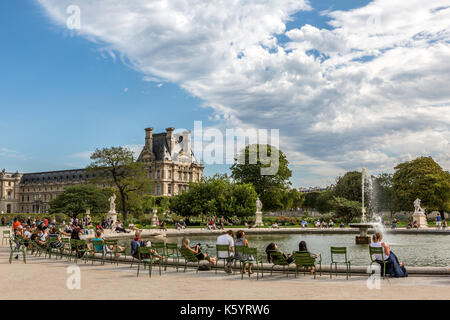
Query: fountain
[[364, 226]]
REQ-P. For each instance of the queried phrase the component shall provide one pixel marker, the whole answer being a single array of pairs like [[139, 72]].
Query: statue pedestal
[[259, 222], [421, 219], [112, 215]]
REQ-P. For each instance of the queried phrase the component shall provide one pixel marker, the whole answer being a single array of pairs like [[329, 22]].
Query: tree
[[216, 196], [349, 186], [117, 167], [310, 201], [421, 178], [324, 202], [75, 200], [385, 193], [243, 171], [345, 209]]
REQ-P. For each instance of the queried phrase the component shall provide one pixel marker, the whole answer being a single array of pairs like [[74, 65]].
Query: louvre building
[[171, 165]]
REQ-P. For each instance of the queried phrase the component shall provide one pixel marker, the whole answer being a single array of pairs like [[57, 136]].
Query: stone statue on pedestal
[[112, 214], [419, 214], [258, 222]]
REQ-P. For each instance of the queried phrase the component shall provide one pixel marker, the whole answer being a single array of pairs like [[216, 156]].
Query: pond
[[412, 249]]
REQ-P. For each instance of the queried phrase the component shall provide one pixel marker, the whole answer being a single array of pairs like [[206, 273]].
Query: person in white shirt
[[226, 239], [398, 270]]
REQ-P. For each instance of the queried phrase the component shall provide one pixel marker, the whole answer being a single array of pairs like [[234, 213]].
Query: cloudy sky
[[348, 83]]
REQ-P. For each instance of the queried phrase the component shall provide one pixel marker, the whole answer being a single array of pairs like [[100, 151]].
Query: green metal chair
[[173, 253], [252, 257], [279, 260], [65, 249], [239, 252], [222, 248], [189, 256], [160, 249], [81, 250], [17, 247], [382, 264], [305, 260], [51, 244], [336, 253], [39, 248], [116, 251], [6, 236], [97, 247], [146, 256]]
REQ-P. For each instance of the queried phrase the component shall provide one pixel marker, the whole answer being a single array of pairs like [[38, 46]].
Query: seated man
[[138, 242], [227, 239]]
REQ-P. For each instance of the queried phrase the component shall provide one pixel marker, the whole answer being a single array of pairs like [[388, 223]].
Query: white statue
[[258, 205], [417, 207], [112, 203]]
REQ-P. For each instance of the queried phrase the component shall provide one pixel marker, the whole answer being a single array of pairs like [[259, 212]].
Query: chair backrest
[[147, 251], [338, 251], [223, 248], [6, 233], [171, 248], [79, 244], [375, 250], [159, 247], [188, 254], [251, 252], [303, 258], [278, 259], [111, 242], [239, 252]]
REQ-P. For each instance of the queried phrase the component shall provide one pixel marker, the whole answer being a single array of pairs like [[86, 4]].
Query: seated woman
[[196, 250], [398, 269], [273, 247], [303, 248], [54, 233], [241, 240]]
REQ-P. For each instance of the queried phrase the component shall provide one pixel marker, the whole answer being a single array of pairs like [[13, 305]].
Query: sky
[[349, 84]]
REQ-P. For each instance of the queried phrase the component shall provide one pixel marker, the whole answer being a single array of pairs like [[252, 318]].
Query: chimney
[[149, 139], [170, 139]]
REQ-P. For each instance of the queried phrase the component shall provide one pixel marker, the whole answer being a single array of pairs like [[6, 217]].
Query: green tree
[[310, 201], [345, 209], [245, 171], [385, 193], [117, 167], [349, 186], [421, 178], [324, 202], [75, 200]]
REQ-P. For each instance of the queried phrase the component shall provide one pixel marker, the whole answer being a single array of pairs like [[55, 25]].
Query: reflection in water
[[413, 250]]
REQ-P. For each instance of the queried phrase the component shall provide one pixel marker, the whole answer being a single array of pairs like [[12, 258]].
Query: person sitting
[[138, 242], [303, 248], [120, 228], [241, 240], [275, 225], [342, 225], [397, 268], [227, 239], [162, 226], [331, 223], [444, 224], [324, 224], [304, 223], [132, 226], [54, 233], [196, 250], [415, 225], [394, 223], [409, 226], [272, 247]]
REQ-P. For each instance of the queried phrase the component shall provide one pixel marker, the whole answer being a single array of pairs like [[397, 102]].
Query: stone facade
[[170, 161]]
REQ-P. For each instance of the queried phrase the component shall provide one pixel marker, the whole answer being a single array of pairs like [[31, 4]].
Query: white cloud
[[374, 92]]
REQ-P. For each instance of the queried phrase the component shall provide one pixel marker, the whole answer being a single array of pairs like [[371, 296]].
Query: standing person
[[398, 269], [241, 240], [227, 239], [15, 225], [3, 221], [438, 221]]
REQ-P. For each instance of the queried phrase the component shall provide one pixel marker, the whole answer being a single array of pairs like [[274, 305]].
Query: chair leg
[[331, 270]]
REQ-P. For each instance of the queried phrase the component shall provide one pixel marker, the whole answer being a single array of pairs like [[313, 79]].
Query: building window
[[179, 188], [158, 188], [8, 208], [169, 174], [158, 174], [169, 188], [9, 195]]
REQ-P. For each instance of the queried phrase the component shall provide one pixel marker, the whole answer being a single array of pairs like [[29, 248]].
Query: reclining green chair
[[189, 256], [279, 260], [116, 251], [380, 251], [17, 247], [252, 257], [173, 253]]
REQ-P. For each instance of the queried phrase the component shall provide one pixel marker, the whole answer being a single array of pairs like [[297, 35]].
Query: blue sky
[[63, 94]]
